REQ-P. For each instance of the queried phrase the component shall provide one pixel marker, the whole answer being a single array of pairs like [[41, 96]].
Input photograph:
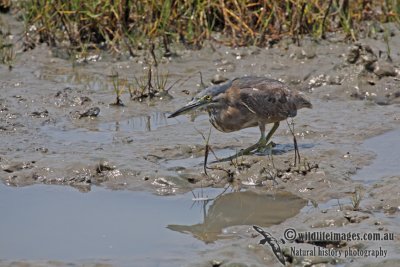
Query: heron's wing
[[252, 81], [267, 98]]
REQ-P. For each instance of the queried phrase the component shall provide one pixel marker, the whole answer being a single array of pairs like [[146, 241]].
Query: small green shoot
[[357, 197]]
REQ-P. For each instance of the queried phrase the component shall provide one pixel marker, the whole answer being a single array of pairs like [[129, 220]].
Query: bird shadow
[[277, 149], [280, 149]]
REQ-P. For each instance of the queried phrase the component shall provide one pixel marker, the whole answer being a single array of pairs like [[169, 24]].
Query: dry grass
[[129, 24], [7, 53]]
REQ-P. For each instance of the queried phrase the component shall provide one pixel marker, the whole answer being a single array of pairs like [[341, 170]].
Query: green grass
[[130, 23], [7, 53]]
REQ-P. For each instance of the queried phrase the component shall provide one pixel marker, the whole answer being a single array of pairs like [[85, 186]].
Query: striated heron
[[247, 102]]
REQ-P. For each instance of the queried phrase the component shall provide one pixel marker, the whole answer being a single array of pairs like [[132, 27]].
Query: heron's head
[[202, 101], [211, 96]]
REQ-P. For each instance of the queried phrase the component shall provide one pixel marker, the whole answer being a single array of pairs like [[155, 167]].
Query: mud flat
[[137, 167]]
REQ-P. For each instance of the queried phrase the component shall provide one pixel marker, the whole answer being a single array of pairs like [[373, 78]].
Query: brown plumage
[[248, 102]]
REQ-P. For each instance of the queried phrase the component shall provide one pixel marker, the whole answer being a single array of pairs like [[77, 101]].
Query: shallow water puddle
[[95, 133], [386, 147], [52, 222], [243, 208], [141, 123], [228, 152], [198, 161], [58, 223]]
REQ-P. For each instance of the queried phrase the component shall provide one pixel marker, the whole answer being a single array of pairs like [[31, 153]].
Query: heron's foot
[[257, 147], [242, 152], [260, 147], [263, 148]]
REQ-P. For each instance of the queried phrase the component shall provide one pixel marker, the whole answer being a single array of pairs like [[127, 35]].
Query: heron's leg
[[271, 132], [260, 145], [249, 150], [264, 143]]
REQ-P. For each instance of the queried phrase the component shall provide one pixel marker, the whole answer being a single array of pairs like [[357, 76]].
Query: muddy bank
[[371, 206], [45, 123], [57, 127]]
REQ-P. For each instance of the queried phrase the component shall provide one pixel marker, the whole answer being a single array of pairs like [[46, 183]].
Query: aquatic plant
[[144, 88], [357, 197], [152, 83], [119, 86], [7, 53]]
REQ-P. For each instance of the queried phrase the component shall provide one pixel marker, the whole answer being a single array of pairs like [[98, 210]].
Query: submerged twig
[[202, 84], [324, 19], [386, 37], [149, 83], [172, 85], [153, 55], [298, 30], [206, 198], [207, 149], [296, 148]]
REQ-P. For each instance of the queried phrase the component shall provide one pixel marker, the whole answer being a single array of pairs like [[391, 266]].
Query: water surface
[[44, 222], [386, 147]]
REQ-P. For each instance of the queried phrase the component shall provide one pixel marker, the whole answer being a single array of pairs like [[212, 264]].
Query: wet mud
[[58, 127]]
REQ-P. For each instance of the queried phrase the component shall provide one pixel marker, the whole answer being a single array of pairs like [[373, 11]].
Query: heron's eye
[[208, 97]]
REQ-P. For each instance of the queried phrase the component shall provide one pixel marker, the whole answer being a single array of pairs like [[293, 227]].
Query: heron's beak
[[192, 105]]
